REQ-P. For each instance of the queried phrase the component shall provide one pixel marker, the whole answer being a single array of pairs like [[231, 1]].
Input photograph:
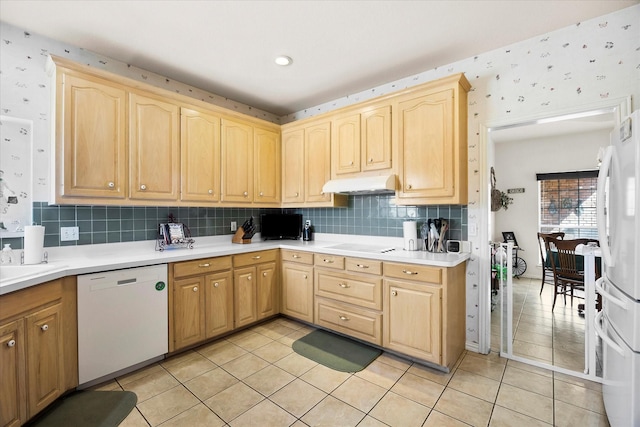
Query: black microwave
[[280, 226]]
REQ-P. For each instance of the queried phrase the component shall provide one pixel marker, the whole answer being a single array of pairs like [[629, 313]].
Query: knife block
[[237, 238]]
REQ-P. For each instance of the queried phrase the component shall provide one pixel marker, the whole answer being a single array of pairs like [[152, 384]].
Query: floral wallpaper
[[571, 68]]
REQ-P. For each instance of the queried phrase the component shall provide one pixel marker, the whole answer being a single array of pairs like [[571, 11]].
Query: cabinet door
[[200, 156], [237, 162], [407, 306], [267, 166], [317, 152], [45, 358], [345, 145], [93, 123], [376, 139], [13, 410], [154, 148], [297, 291], [267, 292], [244, 284], [426, 146], [188, 311], [218, 303], [293, 166]]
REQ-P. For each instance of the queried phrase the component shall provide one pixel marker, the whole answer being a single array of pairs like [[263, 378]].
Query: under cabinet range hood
[[364, 185]]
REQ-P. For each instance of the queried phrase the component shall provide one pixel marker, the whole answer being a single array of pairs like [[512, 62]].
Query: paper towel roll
[[33, 244], [410, 234]]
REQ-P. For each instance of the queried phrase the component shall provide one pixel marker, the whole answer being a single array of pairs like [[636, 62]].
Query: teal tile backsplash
[[374, 215]]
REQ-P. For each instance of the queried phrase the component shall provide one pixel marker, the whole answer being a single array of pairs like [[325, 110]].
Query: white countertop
[[84, 259]]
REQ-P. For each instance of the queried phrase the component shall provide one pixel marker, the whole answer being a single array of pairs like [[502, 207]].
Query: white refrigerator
[[618, 324]]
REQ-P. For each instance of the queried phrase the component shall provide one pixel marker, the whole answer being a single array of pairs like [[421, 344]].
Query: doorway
[[554, 339]]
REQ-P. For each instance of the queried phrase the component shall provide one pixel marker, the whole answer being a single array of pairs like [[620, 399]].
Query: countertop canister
[[33, 244]]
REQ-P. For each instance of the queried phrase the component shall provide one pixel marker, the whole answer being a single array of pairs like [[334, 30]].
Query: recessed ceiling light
[[283, 60]]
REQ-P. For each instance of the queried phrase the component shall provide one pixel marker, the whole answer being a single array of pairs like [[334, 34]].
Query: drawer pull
[[328, 261], [245, 194], [11, 343], [409, 272], [362, 266], [111, 184], [143, 187], [344, 285], [205, 265], [295, 256], [44, 327], [345, 318], [210, 191], [256, 257]]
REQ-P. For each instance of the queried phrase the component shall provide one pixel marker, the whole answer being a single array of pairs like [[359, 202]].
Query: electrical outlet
[[234, 226], [68, 234]]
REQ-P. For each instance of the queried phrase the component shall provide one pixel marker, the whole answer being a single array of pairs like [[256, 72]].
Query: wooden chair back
[[564, 264], [545, 246]]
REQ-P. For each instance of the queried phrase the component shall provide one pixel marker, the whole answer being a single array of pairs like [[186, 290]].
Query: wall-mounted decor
[[16, 140]]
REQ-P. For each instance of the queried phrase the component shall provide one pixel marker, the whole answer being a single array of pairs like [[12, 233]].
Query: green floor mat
[[89, 409], [335, 351]]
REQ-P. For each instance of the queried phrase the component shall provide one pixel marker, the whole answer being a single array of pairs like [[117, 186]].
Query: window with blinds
[[567, 202]]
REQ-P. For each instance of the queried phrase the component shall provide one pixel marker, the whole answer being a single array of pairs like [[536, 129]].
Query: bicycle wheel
[[519, 267]]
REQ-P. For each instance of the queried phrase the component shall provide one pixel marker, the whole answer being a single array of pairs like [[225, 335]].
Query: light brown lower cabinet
[[297, 285], [200, 300], [38, 348], [255, 280]]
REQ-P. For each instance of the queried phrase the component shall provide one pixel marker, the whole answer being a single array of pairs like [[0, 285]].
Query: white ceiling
[[338, 47]]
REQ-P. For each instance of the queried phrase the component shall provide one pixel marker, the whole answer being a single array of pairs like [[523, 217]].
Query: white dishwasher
[[123, 320]]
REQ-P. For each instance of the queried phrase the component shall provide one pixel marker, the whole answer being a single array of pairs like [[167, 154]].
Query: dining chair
[[566, 274], [547, 269]]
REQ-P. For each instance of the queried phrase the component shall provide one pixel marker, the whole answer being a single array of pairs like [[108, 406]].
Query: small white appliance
[[122, 321], [618, 324]]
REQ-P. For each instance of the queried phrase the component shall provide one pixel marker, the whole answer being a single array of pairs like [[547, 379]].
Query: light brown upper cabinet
[[361, 142], [154, 148], [432, 143], [267, 166], [91, 134], [237, 162], [306, 166], [200, 156]]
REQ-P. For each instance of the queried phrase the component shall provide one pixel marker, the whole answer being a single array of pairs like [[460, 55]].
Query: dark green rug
[[89, 409], [335, 351]]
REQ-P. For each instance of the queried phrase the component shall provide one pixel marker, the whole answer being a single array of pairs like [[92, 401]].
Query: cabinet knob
[[261, 194], [195, 289], [295, 256], [245, 194], [409, 272], [256, 257], [344, 285], [44, 327], [322, 193], [408, 186], [11, 343], [205, 265], [394, 293], [371, 160], [248, 277], [111, 184], [328, 261], [264, 274], [351, 163], [216, 284], [143, 187], [305, 276], [362, 266], [345, 318], [297, 194], [210, 191]]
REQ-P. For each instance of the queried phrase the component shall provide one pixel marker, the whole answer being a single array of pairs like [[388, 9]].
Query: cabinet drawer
[[299, 257], [418, 273], [356, 322], [253, 258], [329, 261], [201, 266], [359, 290], [363, 265]]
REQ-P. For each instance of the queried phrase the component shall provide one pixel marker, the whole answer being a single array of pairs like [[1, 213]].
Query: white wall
[[516, 166]]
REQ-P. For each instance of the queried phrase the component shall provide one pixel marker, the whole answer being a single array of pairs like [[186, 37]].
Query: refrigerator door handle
[[601, 219], [601, 333], [606, 295]]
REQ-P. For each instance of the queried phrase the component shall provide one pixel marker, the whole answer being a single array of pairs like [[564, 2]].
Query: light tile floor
[[253, 378]]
